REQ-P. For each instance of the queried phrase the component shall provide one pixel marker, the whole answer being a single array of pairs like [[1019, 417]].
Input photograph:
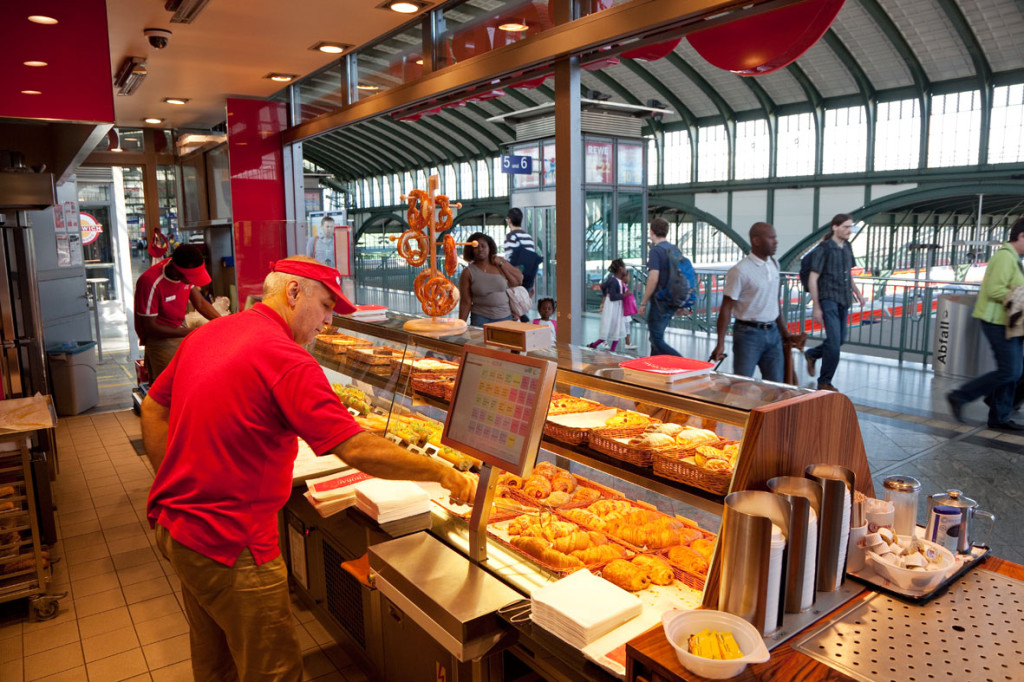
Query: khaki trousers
[[158, 355], [240, 617]]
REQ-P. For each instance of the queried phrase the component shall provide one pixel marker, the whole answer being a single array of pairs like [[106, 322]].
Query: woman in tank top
[[483, 284]]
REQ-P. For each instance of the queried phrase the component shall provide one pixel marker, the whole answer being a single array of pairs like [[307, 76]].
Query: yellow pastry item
[[657, 568], [718, 646], [626, 575]]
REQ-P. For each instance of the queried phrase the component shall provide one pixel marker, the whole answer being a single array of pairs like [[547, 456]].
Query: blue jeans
[[658, 317], [753, 347], [478, 320], [834, 316], [1001, 383]]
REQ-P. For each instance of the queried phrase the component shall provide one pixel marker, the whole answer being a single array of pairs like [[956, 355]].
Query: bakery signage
[[91, 228]]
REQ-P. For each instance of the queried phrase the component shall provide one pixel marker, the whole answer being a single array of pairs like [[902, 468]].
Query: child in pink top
[[546, 308]]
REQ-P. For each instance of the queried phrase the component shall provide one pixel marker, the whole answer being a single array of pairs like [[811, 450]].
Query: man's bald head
[[763, 241]]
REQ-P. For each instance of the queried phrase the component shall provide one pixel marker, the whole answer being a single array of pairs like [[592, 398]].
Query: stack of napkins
[[581, 608], [369, 313], [387, 501], [331, 494]]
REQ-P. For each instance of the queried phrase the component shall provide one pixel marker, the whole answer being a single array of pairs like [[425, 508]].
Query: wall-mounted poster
[[75, 248], [528, 181], [71, 217], [58, 219], [598, 163], [631, 164], [549, 164], [63, 251]]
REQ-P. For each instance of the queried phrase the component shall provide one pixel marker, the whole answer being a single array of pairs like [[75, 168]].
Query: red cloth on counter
[[239, 391]]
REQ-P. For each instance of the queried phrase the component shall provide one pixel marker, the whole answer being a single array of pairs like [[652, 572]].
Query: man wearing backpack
[[832, 290], [521, 251], [668, 289]]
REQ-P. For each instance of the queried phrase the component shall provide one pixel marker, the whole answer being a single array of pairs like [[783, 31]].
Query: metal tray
[[880, 584]]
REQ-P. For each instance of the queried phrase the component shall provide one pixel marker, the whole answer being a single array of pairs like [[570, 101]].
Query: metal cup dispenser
[[804, 497], [746, 546], [837, 485]]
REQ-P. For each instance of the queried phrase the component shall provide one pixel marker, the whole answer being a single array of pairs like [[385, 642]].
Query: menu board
[[598, 163], [498, 408], [631, 164]]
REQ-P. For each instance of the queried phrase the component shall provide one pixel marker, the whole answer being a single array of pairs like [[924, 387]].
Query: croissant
[[557, 499], [571, 543], [519, 524], [689, 560], [602, 507], [651, 537], [688, 535], [537, 486], [539, 549], [625, 575], [704, 547], [585, 518], [600, 553], [563, 481], [585, 495], [545, 469], [657, 568]]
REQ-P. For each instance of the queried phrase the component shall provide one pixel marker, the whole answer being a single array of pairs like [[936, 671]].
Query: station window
[[500, 179], [483, 179], [451, 187], [677, 166], [897, 135], [712, 154], [845, 140], [796, 144], [410, 183], [376, 191], [466, 180], [652, 161], [1006, 136], [386, 182], [752, 149], [954, 130]]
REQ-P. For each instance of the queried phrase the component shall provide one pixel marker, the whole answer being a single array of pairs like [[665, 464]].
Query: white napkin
[[582, 608], [386, 501]]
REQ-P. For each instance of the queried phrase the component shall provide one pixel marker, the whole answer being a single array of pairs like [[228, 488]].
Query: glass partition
[[395, 60]]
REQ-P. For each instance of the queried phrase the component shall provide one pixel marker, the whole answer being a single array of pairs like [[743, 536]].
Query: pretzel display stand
[[428, 214]]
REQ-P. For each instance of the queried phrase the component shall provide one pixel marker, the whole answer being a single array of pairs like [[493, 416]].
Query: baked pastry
[[704, 547], [689, 560], [510, 480], [667, 429], [691, 437], [652, 439], [557, 498], [575, 541], [626, 575], [596, 554], [585, 518], [603, 507], [539, 549], [688, 535], [537, 486], [626, 418], [649, 536], [564, 481], [585, 496], [657, 568]]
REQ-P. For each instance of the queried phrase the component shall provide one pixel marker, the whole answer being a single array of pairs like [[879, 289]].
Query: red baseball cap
[[327, 276], [197, 276]]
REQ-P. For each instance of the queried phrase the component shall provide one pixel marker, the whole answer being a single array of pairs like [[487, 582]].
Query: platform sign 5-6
[[516, 165]]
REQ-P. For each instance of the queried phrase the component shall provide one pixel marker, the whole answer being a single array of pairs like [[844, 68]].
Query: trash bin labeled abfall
[[73, 373], [959, 348]]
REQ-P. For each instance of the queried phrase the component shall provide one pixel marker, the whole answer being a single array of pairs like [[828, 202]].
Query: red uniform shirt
[[239, 391], [156, 296]]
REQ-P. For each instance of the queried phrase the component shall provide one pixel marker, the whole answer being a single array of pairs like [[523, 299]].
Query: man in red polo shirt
[[220, 427], [162, 295]]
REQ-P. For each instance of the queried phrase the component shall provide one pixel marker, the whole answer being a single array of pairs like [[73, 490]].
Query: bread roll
[[537, 486], [704, 547], [625, 575], [657, 568], [689, 560], [691, 437]]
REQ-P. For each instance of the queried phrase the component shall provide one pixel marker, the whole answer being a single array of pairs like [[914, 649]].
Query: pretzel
[[439, 297], [416, 257], [419, 211], [421, 280], [451, 262], [444, 214]]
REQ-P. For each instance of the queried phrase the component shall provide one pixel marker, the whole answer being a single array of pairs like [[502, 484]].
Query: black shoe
[[956, 406], [1007, 426]]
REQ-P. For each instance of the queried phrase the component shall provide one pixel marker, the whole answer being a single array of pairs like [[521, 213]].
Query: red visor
[[329, 277], [197, 276]]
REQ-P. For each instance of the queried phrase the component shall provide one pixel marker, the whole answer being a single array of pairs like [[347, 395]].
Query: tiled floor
[[122, 618]]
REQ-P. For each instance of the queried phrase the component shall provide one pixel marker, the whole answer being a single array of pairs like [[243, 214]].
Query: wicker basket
[[601, 441], [566, 434], [434, 386], [558, 571], [342, 343], [674, 468], [688, 578]]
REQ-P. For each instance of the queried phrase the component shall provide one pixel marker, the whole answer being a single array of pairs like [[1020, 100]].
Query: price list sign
[[499, 406]]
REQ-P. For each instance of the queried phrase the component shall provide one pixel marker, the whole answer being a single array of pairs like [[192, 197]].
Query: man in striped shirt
[[162, 295], [516, 235]]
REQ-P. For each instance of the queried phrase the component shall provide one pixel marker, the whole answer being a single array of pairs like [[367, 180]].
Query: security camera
[[158, 37]]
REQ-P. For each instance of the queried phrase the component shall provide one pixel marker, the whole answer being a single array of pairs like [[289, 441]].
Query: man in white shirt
[[752, 294]]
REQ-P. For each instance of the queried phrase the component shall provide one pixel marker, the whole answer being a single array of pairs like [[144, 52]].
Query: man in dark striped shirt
[[832, 291], [516, 235]]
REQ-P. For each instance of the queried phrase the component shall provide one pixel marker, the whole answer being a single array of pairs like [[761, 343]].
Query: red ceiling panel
[[76, 83]]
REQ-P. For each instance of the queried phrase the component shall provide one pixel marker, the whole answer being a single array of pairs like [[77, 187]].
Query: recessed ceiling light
[[34, 62], [42, 19], [513, 26], [404, 7], [330, 47], [368, 87], [175, 100], [153, 120], [419, 62], [31, 92], [281, 77]]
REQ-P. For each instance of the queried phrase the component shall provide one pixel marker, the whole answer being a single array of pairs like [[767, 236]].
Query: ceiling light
[[419, 62], [116, 149], [330, 47], [130, 76], [41, 19], [403, 7], [175, 100], [31, 92], [514, 26], [153, 120], [281, 77], [185, 11], [368, 87], [34, 62]]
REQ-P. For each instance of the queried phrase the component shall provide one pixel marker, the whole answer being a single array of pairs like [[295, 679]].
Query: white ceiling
[[228, 49]]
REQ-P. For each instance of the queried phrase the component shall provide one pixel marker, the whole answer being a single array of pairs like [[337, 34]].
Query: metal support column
[[569, 218]]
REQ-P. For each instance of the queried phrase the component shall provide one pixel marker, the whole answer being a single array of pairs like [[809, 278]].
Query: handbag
[[519, 301], [628, 304]]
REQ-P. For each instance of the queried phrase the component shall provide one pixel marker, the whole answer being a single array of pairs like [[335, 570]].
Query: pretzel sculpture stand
[[430, 212]]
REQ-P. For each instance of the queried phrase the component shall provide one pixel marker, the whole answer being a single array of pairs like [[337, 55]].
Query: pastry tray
[[964, 563]]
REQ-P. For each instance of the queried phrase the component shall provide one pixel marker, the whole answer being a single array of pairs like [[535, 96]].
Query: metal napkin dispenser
[[837, 486], [743, 589], [804, 497]]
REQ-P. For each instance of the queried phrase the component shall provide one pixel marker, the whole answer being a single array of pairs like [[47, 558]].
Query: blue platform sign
[[516, 165]]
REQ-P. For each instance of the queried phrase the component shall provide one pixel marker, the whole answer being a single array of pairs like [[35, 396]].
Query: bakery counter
[[972, 631]]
